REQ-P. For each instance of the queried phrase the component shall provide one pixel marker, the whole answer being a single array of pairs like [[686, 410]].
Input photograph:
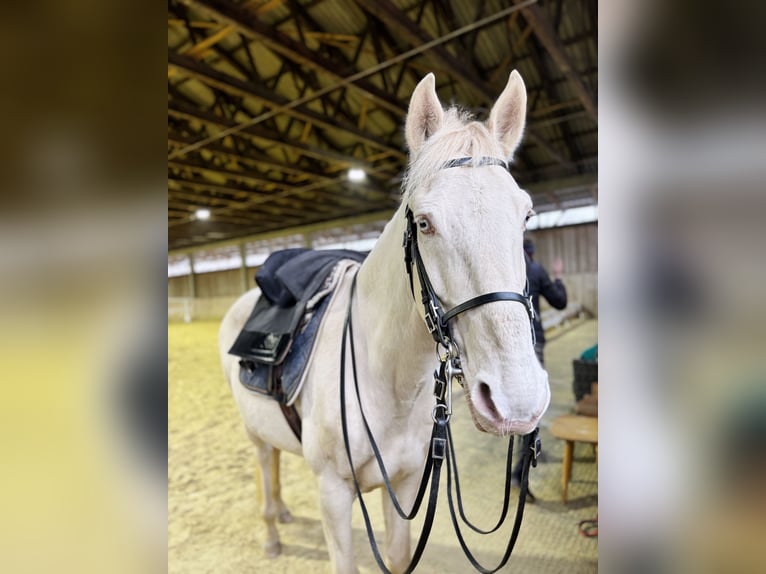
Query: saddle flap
[[276, 343], [267, 335], [266, 348]]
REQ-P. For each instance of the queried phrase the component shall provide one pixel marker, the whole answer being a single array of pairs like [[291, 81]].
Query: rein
[[442, 447]]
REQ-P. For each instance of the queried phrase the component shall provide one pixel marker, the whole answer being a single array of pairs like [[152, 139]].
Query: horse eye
[[530, 214], [425, 225]]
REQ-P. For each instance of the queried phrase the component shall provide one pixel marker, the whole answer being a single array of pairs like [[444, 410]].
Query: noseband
[[437, 320]]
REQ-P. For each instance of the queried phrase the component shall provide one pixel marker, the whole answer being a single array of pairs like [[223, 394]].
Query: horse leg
[[335, 500], [398, 553], [265, 455], [283, 514]]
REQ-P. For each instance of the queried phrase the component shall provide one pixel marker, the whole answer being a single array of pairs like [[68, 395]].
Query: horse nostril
[[485, 393]]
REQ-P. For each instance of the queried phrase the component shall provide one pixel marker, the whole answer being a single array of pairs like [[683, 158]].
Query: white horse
[[470, 222]]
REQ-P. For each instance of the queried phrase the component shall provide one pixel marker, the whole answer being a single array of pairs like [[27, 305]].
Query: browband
[[482, 161]]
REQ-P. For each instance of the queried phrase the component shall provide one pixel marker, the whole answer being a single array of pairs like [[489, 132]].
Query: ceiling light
[[202, 214], [356, 174]]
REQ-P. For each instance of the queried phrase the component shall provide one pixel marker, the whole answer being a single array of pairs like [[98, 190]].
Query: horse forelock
[[459, 136]]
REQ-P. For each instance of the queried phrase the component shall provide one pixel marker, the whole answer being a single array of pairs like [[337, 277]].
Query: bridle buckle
[[440, 387], [536, 446], [430, 325]]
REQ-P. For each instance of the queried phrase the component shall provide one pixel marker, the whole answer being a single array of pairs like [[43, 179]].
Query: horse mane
[[459, 136]]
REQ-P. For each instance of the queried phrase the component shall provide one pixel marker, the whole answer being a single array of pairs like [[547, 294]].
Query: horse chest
[[403, 446], [402, 456]]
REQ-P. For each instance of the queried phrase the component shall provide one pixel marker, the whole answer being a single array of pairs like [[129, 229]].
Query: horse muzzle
[[495, 415]]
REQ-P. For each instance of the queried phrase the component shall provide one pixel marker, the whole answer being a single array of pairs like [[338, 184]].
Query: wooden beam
[[194, 199], [282, 44], [193, 23], [244, 217], [549, 39], [229, 173], [543, 68], [240, 191], [559, 119], [585, 180], [299, 191], [555, 107], [254, 157], [263, 229], [546, 146], [243, 88], [183, 110], [335, 160], [201, 48], [370, 217], [401, 25]]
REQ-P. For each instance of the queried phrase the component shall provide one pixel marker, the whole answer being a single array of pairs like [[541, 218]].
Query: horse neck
[[400, 353]]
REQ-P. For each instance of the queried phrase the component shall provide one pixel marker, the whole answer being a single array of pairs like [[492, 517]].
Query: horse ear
[[506, 120], [425, 114]]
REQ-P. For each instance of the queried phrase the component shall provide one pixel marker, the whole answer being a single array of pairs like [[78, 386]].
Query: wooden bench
[[571, 429]]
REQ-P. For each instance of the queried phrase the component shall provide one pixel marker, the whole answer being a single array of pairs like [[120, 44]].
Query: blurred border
[[681, 265], [82, 287]]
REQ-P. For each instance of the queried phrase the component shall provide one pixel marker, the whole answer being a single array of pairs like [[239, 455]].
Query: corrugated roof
[[231, 62]]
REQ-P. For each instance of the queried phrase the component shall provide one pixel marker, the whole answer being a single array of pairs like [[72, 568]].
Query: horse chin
[[498, 427]]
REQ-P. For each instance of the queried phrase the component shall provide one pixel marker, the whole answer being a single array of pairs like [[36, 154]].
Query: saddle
[[276, 342]]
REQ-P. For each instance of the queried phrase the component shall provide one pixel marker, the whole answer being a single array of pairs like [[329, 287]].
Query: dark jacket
[[540, 284]]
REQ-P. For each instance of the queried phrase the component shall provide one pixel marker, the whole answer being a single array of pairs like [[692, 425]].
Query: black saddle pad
[[276, 341], [289, 280], [281, 382]]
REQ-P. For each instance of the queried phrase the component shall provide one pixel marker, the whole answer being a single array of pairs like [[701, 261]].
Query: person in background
[[556, 294], [540, 284]]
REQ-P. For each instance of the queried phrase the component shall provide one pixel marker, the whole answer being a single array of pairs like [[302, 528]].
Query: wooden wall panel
[[179, 286], [214, 284], [219, 283], [576, 245]]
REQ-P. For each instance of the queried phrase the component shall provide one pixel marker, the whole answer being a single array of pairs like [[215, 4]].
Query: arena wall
[[577, 245]]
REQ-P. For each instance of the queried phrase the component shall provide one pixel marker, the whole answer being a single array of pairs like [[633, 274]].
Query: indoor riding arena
[[296, 124]]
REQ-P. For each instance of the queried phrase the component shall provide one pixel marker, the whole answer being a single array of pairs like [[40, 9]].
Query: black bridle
[[438, 324], [437, 321]]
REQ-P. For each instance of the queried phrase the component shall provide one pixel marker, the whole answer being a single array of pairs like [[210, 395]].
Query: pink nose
[[485, 396], [506, 424]]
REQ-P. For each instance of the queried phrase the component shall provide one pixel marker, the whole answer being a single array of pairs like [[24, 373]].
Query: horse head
[[469, 217]]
